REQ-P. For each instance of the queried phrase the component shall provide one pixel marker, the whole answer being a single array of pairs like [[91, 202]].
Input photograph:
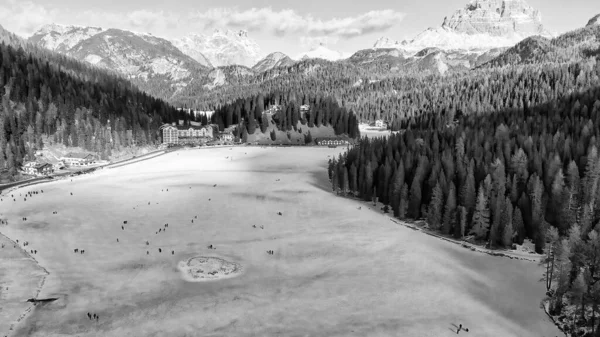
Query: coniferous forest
[[47, 95], [497, 155], [286, 111], [530, 169]]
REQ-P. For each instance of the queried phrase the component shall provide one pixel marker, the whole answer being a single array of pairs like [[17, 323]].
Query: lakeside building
[[38, 169], [174, 134], [380, 124], [331, 141], [78, 159]]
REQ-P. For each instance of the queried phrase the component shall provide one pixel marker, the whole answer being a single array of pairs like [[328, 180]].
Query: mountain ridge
[[479, 25], [222, 48]]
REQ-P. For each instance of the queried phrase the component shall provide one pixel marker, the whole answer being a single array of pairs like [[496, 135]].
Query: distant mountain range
[[480, 25], [471, 37], [222, 48]]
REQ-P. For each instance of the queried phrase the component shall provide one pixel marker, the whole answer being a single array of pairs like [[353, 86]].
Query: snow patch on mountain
[[386, 42], [222, 48], [273, 60], [322, 52], [92, 58], [481, 25], [61, 38]]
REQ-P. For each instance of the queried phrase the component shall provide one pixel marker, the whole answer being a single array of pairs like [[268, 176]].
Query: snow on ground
[[336, 270]]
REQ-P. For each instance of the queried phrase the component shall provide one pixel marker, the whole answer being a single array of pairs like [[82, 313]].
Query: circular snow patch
[[203, 268]]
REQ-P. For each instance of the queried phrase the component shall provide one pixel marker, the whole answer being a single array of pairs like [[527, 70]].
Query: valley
[[341, 271], [424, 169]]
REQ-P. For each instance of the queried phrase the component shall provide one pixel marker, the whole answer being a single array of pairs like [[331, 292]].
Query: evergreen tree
[[481, 217], [459, 230], [450, 211], [403, 202], [508, 231], [434, 212]]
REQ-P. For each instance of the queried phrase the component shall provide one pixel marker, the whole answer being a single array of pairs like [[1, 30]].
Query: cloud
[[24, 17], [310, 41], [281, 23]]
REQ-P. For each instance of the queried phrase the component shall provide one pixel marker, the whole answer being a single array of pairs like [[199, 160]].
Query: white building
[[186, 134], [380, 124], [78, 159]]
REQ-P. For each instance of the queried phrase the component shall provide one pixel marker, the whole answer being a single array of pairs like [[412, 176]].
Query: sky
[[288, 26]]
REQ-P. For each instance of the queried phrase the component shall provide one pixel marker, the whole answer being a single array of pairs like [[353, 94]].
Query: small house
[[38, 169]]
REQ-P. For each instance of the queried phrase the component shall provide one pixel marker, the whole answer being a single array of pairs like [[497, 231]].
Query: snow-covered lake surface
[[336, 270]]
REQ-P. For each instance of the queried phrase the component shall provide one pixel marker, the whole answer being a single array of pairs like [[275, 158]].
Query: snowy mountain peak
[[480, 25], [63, 29], [595, 21], [322, 52], [386, 42], [273, 60], [221, 48], [62, 38], [496, 18]]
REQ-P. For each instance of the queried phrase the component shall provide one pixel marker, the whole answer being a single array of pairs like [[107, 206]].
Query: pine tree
[[450, 211], [468, 193], [334, 181], [367, 192], [459, 230], [403, 202], [481, 218], [244, 134], [549, 259], [434, 212], [345, 181], [398, 183], [519, 226], [508, 231], [537, 214]]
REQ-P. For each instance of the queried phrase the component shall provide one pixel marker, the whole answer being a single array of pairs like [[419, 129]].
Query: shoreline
[[472, 247], [41, 180], [5, 190], [468, 245], [40, 285]]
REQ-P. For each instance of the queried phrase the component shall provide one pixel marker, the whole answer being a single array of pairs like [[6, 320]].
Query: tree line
[[530, 170], [48, 96], [285, 109]]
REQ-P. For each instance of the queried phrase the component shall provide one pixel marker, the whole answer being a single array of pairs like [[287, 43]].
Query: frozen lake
[[335, 270]]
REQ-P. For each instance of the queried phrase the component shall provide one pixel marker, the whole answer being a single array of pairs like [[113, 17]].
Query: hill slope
[[153, 63]]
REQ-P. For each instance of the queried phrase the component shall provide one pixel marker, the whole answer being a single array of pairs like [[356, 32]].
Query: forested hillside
[[513, 156], [368, 84], [48, 95], [285, 109], [573, 46]]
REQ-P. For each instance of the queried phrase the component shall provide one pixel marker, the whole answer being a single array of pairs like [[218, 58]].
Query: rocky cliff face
[[222, 48], [481, 25], [61, 38], [273, 60], [496, 18], [595, 21], [152, 62]]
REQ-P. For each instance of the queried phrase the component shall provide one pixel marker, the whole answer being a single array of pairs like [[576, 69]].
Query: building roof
[[181, 127], [330, 138], [78, 155], [42, 165], [51, 160]]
